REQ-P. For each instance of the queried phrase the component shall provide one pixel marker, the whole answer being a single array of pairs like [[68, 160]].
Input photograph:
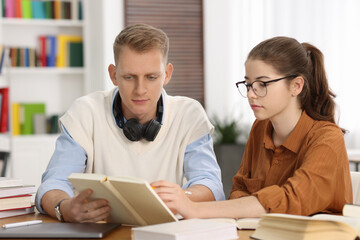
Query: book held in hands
[[132, 200]]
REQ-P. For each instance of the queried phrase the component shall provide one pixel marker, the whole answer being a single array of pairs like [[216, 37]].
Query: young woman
[[295, 160]]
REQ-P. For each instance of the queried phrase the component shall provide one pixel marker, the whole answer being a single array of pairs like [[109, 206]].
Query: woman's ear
[[112, 73], [297, 85]]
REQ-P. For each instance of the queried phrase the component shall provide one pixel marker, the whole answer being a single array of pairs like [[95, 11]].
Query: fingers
[[82, 209], [83, 195]]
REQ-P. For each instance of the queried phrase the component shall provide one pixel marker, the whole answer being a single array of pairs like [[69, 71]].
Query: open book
[[320, 226], [241, 223], [132, 200]]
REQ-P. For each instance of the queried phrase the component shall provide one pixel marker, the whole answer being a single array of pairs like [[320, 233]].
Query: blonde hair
[[141, 38]]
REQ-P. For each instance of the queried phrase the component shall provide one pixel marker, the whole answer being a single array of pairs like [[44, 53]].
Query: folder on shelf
[[9, 8], [75, 54], [26, 9], [4, 110], [63, 51], [15, 118], [51, 51], [42, 51], [27, 111], [38, 9]]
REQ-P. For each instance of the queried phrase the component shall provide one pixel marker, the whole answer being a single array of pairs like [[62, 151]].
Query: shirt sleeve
[[201, 167], [69, 157]]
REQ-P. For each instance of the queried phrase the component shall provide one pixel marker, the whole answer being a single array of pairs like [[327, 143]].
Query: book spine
[[15, 119], [9, 9], [42, 51], [4, 110], [26, 9]]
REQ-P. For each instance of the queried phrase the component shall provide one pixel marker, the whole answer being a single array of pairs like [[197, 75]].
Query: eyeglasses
[[258, 87]]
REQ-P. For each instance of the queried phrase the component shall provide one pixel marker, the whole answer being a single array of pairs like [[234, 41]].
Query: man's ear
[[112, 73], [297, 85], [168, 73]]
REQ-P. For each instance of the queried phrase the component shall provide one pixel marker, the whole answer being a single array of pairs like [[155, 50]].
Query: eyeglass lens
[[258, 87]]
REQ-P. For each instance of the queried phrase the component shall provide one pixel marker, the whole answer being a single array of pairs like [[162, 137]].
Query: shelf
[[46, 70], [4, 142], [40, 22]]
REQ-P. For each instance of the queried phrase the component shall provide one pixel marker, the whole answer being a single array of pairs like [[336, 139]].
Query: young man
[[135, 129]]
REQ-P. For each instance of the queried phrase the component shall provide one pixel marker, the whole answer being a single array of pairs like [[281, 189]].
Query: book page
[[242, 223], [143, 199], [351, 221]]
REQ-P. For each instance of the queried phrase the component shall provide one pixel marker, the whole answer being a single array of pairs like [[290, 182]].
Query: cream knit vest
[[90, 123]]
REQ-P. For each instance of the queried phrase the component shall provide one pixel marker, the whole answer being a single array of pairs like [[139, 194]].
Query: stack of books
[[15, 197]]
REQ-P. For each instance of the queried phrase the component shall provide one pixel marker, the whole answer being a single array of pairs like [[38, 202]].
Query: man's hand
[[76, 209], [81, 209]]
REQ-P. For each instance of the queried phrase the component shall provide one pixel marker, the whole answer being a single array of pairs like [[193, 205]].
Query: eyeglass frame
[[248, 86]]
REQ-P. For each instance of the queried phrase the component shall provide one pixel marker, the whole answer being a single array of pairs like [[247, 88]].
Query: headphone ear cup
[[133, 130], [151, 130]]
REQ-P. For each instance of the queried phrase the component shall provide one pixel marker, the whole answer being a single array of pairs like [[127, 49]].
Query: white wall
[[233, 27], [105, 23]]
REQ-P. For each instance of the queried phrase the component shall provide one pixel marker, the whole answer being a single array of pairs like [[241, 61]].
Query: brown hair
[[289, 57], [141, 38]]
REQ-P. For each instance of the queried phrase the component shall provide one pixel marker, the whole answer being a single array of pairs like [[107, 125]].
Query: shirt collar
[[297, 136], [113, 99]]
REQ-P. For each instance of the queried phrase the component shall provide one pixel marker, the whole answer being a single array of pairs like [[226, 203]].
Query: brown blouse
[[307, 174]]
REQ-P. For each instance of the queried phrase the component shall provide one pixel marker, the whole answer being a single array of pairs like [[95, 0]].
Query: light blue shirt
[[200, 166]]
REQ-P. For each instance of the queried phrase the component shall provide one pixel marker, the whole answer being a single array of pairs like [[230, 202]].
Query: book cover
[[62, 42], [27, 111], [26, 9], [16, 212], [75, 54], [191, 229], [132, 200]]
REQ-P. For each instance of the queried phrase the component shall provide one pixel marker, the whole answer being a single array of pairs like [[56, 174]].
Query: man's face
[[140, 78]]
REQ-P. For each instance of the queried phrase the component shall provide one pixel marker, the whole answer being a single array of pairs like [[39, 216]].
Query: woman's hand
[[175, 198]]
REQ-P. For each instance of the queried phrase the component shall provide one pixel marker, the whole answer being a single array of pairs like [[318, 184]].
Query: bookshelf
[[56, 87]]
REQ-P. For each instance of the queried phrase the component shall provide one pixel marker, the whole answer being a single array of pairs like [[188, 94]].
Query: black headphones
[[133, 129]]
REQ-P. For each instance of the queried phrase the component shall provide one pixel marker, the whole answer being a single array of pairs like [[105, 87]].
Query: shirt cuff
[[271, 198], [51, 185]]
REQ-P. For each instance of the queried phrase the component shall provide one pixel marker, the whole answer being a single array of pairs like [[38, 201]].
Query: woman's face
[[278, 99]]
